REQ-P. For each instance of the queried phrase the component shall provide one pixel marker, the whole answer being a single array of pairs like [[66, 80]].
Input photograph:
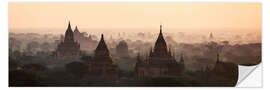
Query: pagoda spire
[[211, 36], [76, 29], [102, 49], [69, 34], [160, 31], [160, 45], [69, 26], [102, 37]]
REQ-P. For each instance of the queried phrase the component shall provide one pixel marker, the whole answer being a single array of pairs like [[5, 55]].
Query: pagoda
[[68, 48], [102, 65], [159, 63]]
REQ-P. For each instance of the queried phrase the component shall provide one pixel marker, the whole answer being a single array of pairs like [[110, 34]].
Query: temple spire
[[68, 23], [102, 49], [69, 26], [160, 36], [102, 37], [160, 48], [69, 34], [160, 32], [211, 36], [76, 29], [102, 45]]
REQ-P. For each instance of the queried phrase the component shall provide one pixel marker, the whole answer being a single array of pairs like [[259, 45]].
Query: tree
[[86, 59], [23, 78], [32, 47], [77, 68]]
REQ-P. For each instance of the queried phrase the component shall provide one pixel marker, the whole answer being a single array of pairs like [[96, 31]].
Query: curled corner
[[244, 73]]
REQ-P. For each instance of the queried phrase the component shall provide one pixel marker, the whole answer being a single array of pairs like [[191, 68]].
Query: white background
[[252, 79]]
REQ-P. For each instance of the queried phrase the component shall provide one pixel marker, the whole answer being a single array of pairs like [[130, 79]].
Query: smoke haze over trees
[[32, 54]]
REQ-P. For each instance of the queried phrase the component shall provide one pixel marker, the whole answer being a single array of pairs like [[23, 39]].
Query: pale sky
[[189, 16]]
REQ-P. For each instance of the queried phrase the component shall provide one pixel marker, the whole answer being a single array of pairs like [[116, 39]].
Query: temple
[[122, 49], [211, 37], [223, 74], [102, 65], [159, 63], [84, 39], [68, 48]]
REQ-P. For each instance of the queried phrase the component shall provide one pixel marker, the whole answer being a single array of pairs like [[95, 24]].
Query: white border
[[4, 39]]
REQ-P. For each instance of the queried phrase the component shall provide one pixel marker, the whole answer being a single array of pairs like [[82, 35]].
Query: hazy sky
[[125, 16]]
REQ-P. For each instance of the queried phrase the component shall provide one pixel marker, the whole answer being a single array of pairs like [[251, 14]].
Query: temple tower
[[102, 66], [159, 63], [160, 48], [68, 48]]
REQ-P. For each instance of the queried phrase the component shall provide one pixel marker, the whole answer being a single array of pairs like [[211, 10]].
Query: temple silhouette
[[122, 49], [84, 39], [159, 63], [68, 48], [102, 65], [223, 74]]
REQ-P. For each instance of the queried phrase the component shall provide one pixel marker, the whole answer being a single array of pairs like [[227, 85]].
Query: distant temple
[[85, 40], [223, 74], [122, 49], [68, 48], [160, 62], [211, 37], [102, 66]]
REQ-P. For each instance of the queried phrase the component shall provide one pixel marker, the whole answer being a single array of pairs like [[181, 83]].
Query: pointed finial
[[211, 35], [69, 26], [160, 23], [160, 28], [102, 36]]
